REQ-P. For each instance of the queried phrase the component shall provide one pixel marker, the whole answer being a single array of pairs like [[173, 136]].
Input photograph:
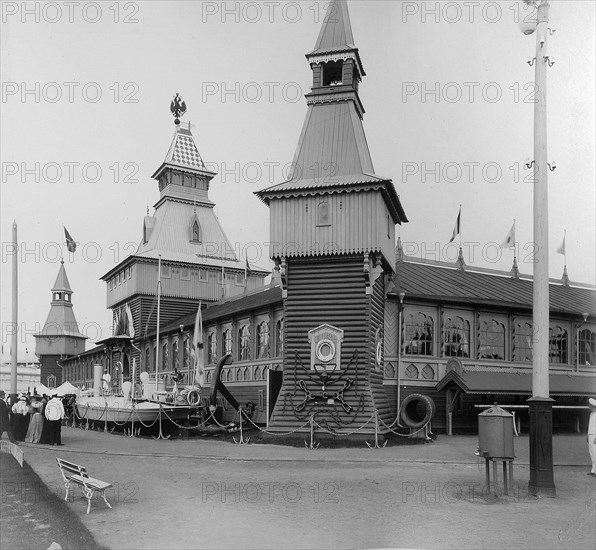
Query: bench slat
[[91, 482]]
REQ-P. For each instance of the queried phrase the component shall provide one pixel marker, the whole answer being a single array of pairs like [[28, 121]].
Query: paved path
[[203, 493]]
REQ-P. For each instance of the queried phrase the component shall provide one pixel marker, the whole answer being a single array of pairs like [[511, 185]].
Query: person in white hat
[[592, 435]]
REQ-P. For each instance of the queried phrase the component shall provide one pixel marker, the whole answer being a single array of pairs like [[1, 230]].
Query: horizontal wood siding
[[381, 400], [325, 290], [357, 223]]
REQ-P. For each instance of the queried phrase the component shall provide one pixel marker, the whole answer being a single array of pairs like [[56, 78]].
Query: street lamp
[[401, 296], [540, 405]]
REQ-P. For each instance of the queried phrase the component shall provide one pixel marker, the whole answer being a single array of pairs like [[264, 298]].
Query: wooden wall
[[357, 223], [326, 290]]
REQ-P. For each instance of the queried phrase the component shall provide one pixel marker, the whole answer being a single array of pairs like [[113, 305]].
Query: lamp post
[[540, 404], [401, 296]]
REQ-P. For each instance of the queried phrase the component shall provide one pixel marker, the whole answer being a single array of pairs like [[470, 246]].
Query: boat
[[119, 410], [153, 403]]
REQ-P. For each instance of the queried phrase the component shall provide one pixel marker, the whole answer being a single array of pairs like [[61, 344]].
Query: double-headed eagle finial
[[178, 108]]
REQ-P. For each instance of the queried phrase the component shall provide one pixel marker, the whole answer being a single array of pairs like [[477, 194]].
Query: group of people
[[32, 419]]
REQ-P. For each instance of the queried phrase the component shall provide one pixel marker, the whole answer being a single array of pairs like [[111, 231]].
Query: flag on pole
[[561, 249], [509, 241], [247, 271], [70, 244], [197, 349], [131, 326], [456, 229]]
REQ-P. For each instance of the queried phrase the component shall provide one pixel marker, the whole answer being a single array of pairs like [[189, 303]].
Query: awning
[[514, 383]]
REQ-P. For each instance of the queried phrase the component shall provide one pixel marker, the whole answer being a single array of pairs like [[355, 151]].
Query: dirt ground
[[212, 494], [31, 517]]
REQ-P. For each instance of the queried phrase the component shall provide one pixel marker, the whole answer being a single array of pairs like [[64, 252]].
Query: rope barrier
[[243, 417]]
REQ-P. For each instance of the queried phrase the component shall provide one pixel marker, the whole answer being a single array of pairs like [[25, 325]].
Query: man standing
[[4, 420], [592, 435], [54, 414]]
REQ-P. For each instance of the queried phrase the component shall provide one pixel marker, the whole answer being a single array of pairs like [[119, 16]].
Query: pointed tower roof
[[183, 154], [62, 284], [336, 32], [61, 319], [332, 139]]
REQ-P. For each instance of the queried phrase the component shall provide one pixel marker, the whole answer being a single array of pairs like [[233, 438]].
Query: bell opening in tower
[[332, 73]]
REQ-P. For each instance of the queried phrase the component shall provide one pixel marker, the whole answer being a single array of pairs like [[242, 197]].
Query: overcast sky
[[87, 91]]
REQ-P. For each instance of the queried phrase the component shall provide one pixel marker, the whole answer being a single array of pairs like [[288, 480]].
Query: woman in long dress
[[36, 422]]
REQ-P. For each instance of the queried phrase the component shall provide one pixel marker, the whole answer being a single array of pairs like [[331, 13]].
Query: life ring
[[193, 397], [409, 410]]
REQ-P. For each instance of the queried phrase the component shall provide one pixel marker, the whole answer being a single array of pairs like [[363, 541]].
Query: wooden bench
[[73, 473]]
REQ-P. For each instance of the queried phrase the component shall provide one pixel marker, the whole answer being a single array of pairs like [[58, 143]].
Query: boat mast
[[157, 332], [15, 313]]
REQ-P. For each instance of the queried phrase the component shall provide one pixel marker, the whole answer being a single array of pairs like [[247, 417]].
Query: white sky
[[197, 49]]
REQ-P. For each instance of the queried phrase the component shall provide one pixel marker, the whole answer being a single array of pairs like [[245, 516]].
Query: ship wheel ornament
[[178, 108]]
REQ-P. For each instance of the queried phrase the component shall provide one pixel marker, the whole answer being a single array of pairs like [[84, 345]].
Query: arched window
[[195, 231], [212, 348], [244, 343], [586, 343], [165, 360], [492, 340], [175, 358], [147, 365], [523, 336], [263, 339], [186, 353], [279, 338], [558, 345], [456, 337], [418, 334], [226, 343]]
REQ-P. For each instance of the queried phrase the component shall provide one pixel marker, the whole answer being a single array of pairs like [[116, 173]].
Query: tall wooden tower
[[333, 229], [60, 337], [198, 263]]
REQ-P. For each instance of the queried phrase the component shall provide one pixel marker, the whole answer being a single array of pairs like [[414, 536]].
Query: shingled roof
[[434, 283]]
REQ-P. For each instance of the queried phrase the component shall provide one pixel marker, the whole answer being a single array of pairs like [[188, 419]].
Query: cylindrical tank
[[97, 374], [495, 433]]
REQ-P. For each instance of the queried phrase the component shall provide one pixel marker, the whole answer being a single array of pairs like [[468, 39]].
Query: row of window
[[492, 339], [120, 277], [244, 341]]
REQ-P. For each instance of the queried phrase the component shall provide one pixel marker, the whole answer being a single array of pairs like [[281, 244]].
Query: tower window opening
[[196, 232], [332, 73]]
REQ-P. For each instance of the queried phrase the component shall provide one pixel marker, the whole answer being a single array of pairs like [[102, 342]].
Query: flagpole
[[540, 404], [15, 314], [459, 220], [157, 331]]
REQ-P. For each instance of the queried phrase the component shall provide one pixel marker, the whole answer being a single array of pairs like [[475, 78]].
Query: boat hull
[[120, 411]]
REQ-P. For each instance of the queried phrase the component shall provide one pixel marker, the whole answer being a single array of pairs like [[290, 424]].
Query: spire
[[461, 264], [514, 269], [61, 320], [62, 284], [332, 152], [183, 153], [399, 250], [565, 277], [336, 32]]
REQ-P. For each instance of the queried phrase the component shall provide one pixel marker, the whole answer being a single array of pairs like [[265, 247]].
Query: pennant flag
[[457, 226], [509, 241], [70, 244], [197, 349], [561, 249], [247, 271], [131, 326]]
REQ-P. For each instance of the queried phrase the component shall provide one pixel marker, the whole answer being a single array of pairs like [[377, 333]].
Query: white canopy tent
[[65, 389]]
